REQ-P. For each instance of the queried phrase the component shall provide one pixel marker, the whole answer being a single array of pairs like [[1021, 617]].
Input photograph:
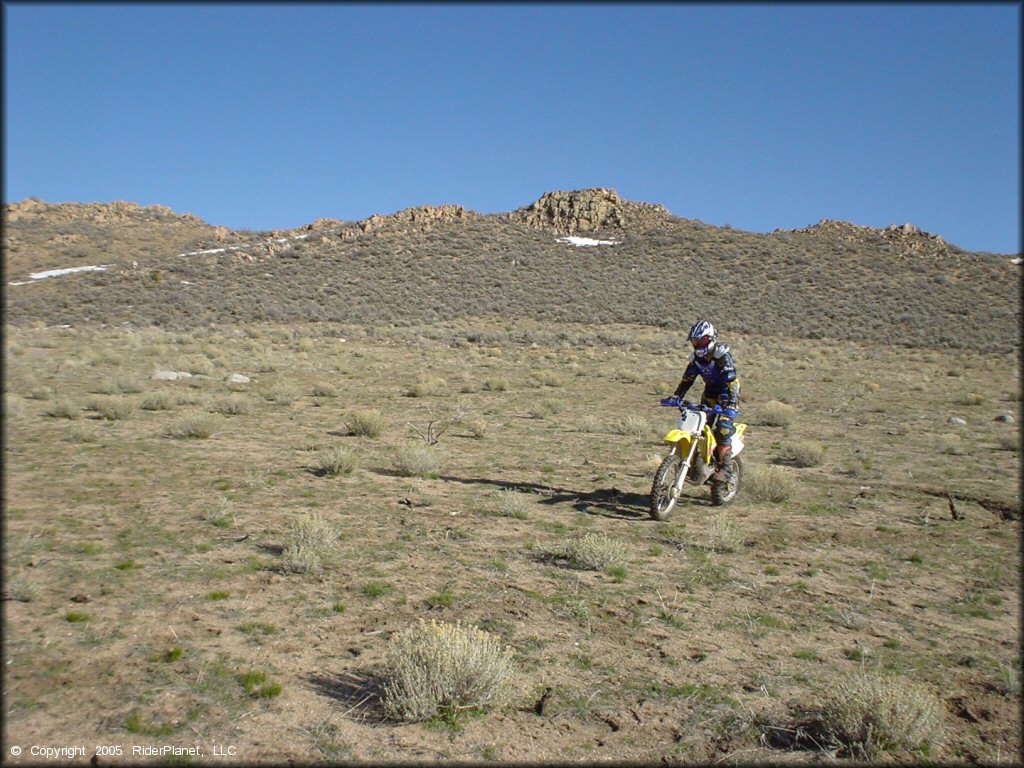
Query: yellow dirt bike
[[690, 459]]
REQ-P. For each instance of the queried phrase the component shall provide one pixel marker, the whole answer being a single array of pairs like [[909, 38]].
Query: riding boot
[[723, 461]]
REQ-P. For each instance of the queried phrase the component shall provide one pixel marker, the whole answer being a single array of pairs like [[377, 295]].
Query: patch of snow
[[57, 272], [585, 241], [212, 250], [1015, 261]]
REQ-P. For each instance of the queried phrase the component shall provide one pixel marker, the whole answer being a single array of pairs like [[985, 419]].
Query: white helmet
[[703, 337]]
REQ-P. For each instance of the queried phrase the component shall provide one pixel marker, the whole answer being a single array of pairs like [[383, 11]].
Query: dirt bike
[[691, 459]]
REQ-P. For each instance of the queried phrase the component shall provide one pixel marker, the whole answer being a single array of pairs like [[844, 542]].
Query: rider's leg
[[724, 430]]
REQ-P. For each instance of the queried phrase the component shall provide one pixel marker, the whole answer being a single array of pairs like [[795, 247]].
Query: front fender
[[680, 436]]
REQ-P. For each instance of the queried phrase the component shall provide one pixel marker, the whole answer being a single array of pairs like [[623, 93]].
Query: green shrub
[[375, 589], [446, 671], [259, 685]]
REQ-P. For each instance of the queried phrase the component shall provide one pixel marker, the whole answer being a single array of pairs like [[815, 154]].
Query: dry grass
[[700, 635]]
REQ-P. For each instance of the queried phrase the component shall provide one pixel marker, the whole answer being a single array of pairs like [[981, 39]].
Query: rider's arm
[[731, 395], [689, 376]]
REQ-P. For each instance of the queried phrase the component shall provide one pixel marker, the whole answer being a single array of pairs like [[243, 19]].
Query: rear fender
[[737, 440]]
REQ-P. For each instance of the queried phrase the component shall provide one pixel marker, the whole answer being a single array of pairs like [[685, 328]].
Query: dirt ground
[[143, 572]]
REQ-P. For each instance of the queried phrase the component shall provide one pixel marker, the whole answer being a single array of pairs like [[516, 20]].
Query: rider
[[713, 362]]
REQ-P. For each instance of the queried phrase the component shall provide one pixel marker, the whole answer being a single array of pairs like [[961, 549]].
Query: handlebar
[[682, 405]]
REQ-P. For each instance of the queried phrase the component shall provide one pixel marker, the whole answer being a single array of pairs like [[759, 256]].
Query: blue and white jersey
[[719, 374]]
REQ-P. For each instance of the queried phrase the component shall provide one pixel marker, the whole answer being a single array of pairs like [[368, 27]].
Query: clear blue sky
[[757, 116]]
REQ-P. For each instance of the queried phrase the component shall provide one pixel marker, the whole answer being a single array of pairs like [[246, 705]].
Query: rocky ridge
[[589, 210], [904, 238]]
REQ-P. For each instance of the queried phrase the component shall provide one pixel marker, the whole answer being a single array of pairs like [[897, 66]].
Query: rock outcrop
[[904, 238], [588, 210], [422, 217]]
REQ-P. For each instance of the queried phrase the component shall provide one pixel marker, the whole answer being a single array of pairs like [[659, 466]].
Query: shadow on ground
[[360, 695], [606, 502]]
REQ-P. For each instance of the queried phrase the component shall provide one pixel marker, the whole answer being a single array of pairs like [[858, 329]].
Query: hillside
[[833, 280], [224, 515]]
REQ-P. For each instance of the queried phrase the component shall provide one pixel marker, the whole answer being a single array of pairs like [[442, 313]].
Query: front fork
[[677, 486]]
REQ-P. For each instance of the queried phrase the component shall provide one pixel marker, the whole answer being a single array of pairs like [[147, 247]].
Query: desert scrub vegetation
[[416, 460], [427, 386], [336, 461], [310, 542], [510, 503], [114, 408], [775, 414], [873, 716], [805, 453], [63, 408], [445, 671], [722, 535], [121, 385], [231, 405], [323, 389], [590, 552], [632, 425], [283, 394], [192, 425], [365, 423], [160, 401], [770, 483]]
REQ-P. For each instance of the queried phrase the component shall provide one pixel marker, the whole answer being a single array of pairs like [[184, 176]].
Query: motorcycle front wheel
[[662, 502]]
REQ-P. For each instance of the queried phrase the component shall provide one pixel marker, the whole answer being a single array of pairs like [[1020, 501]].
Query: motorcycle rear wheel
[[662, 502], [724, 493]]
